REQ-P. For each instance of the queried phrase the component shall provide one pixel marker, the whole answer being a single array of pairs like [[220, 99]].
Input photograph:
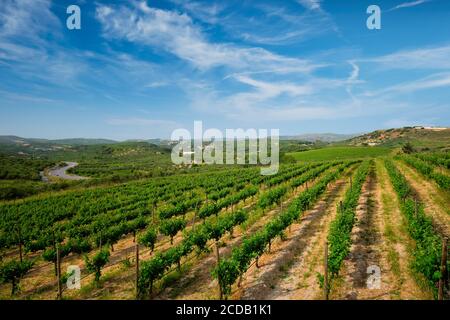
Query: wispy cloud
[[139, 122], [430, 82], [408, 4], [271, 99], [310, 4], [156, 84], [354, 74], [272, 89], [28, 18], [36, 60], [205, 12], [421, 58], [23, 97], [27, 56], [176, 33], [281, 26]]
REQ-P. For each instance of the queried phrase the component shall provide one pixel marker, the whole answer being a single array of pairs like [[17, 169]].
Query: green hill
[[419, 137]]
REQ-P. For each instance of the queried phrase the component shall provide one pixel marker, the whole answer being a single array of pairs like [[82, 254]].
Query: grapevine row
[[428, 171], [155, 268], [339, 237], [229, 270], [427, 253], [435, 159]]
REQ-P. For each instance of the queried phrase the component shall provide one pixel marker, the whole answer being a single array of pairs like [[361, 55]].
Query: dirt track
[[61, 172]]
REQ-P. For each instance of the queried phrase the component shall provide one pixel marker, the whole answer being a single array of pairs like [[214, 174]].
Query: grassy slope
[[339, 153]]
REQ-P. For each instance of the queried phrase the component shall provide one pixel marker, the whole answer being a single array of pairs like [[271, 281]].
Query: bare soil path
[[437, 202], [396, 245], [366, 260], [285, 272]]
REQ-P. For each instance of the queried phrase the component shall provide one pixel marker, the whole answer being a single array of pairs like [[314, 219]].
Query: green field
[[340, 153]]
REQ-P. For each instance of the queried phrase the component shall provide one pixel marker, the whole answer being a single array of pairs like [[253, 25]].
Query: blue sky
[[140, 69]]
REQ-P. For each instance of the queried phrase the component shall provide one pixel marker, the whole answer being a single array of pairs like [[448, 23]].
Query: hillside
[[419, 137], [72, 141], [323, 137], [22, 162], [15, 144]]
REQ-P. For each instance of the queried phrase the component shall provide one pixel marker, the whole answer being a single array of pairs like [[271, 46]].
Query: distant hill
[[46, 147], [419, 136], [323, 137], [158, 142], [73, 141], [82, 141]]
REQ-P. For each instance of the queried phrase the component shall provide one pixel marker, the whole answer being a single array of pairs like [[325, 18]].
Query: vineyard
[[310, 232]]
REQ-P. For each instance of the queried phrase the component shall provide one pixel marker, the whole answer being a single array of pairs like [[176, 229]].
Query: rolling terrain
[[207, 232]]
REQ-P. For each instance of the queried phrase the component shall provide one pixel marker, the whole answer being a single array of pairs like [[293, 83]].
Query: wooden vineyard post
[[444, 270], [137, 271], [415, 207], [20, 245], [58, 272], [218, 278], [325, 278], [153, 211], [340, 206], [351, 183], [193, 220]]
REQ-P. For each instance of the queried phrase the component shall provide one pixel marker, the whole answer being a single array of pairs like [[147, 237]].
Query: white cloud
[[176, 33], [23, 97], [278, 25], [206, 12], [271, 89], [25, 50], [355, 72], [310, 4], [156, 84], [430, 82], [133, 121], [409, 4], [422, 58], [35, 62], [274, 100], [27, 18]]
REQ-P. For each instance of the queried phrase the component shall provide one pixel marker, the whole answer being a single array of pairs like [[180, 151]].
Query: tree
[[408, 148], [13, 271], [97, 262]]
